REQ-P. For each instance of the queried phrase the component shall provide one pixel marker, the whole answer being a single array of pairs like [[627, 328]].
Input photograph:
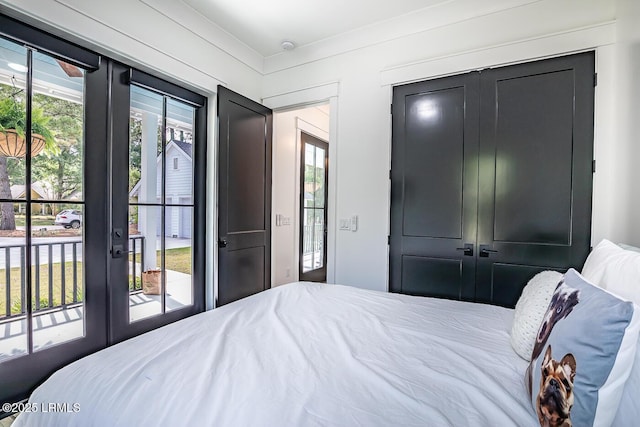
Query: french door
[[53, 196], [157, 195], [102, 204], [491, 179], [314, 178]]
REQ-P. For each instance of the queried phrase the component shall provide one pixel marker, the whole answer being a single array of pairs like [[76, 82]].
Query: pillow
[[614, 269], [583, 354], [530, 308], [629, 410], [629, 247]]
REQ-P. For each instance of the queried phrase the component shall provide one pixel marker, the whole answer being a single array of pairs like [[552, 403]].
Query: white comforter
[[304, 355]]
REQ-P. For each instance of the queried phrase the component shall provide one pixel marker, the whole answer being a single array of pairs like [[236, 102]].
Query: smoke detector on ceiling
[[288, 45]]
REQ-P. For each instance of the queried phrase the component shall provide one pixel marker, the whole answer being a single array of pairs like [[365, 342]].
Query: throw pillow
[[583, 355], [530, 308]]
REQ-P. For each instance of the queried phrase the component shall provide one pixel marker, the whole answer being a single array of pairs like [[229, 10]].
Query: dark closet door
[[244, 198], [434, 172], [536, 150]]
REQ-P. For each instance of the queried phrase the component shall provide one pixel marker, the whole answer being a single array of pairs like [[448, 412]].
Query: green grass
[[15, 286], [176, 259], [40, 220]]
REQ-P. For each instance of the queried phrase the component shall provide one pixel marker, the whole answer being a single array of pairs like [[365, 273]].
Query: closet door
[[434, 187], [536, 150]]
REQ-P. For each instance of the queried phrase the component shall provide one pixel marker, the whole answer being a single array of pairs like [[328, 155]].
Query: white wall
[[625, 190], [154, 35], [366, 76], [287, 126]]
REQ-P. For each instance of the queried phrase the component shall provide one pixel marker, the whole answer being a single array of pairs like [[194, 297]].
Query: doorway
[[289, 125], [314, 179]]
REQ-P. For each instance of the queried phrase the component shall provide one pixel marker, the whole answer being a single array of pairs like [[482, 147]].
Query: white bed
[[304, 354]]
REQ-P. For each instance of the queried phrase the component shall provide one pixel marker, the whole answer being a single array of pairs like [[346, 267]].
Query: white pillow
[[614, 269], [530, 309]]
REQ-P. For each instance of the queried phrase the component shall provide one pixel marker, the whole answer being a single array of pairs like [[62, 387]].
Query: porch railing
[[70, 290]]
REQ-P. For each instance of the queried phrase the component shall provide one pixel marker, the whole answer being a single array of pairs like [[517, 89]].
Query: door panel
[[533, 161], [434, 153], [244, 204], [442, 273], [536, 146], [434, 187]]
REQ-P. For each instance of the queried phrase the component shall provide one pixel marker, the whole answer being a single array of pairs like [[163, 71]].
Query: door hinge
[[391, 109], [388, 240], [593, 166], [389, 173], [595, 79]]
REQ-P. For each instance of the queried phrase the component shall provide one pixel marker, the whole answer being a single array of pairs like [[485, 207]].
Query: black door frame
[[320, 274]]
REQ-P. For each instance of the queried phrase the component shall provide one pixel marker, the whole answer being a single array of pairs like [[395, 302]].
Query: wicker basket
[[151, 282]]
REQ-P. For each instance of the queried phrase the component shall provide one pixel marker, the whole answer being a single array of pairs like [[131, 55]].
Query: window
[[175, 163]]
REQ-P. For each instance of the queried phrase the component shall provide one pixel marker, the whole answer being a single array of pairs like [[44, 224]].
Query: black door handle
[[485, 251], [468, 249], [222, 242]]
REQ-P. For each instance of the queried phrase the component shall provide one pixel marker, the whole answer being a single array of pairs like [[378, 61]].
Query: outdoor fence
[[56, 275]]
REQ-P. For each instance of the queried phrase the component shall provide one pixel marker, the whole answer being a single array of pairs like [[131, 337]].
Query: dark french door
[[491, 179], [102, 204], [157, 224], [314, 178], [53, 190]]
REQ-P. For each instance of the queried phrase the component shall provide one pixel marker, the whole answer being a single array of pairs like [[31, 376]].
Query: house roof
[[18, 191], [184, 146]]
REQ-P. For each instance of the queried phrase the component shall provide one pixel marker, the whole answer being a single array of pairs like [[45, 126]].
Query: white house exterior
[[179, 189]]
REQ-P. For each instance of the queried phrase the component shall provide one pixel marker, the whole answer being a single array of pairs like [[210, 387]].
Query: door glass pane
[[13, 310], [57, 196], [318, 240], [178, 257], [145, 146], [319, 177], [57, 273], [145, 273]]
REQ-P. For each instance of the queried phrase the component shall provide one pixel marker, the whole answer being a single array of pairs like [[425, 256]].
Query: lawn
[[39, 220], [176, 259]]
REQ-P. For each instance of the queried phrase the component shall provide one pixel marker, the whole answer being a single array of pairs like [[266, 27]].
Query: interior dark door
[[536, 147], [434, 172], [244, 197]]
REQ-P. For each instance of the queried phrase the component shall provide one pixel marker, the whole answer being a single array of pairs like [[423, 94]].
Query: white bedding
[[304, 355]]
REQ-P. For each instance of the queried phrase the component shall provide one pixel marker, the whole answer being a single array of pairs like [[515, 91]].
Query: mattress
[[303, 354]]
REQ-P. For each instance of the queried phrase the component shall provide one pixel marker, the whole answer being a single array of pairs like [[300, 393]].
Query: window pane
[[319, 177], [318, 240], [13, 322], [145, 146], [57, 273], [145, 275], [179, 153], [178, 257], [58, 142]]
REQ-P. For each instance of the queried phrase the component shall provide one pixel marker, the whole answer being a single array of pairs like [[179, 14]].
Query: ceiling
[[264, 25]]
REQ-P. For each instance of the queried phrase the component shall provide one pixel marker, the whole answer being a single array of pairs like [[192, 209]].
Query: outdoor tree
[[59, 168]]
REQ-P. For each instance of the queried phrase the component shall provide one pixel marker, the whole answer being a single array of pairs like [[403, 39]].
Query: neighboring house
[[38, 191], [179, 189]]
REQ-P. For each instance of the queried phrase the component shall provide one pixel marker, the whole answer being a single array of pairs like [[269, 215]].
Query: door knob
[[485, 251], [467, 249], [222, 242]]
